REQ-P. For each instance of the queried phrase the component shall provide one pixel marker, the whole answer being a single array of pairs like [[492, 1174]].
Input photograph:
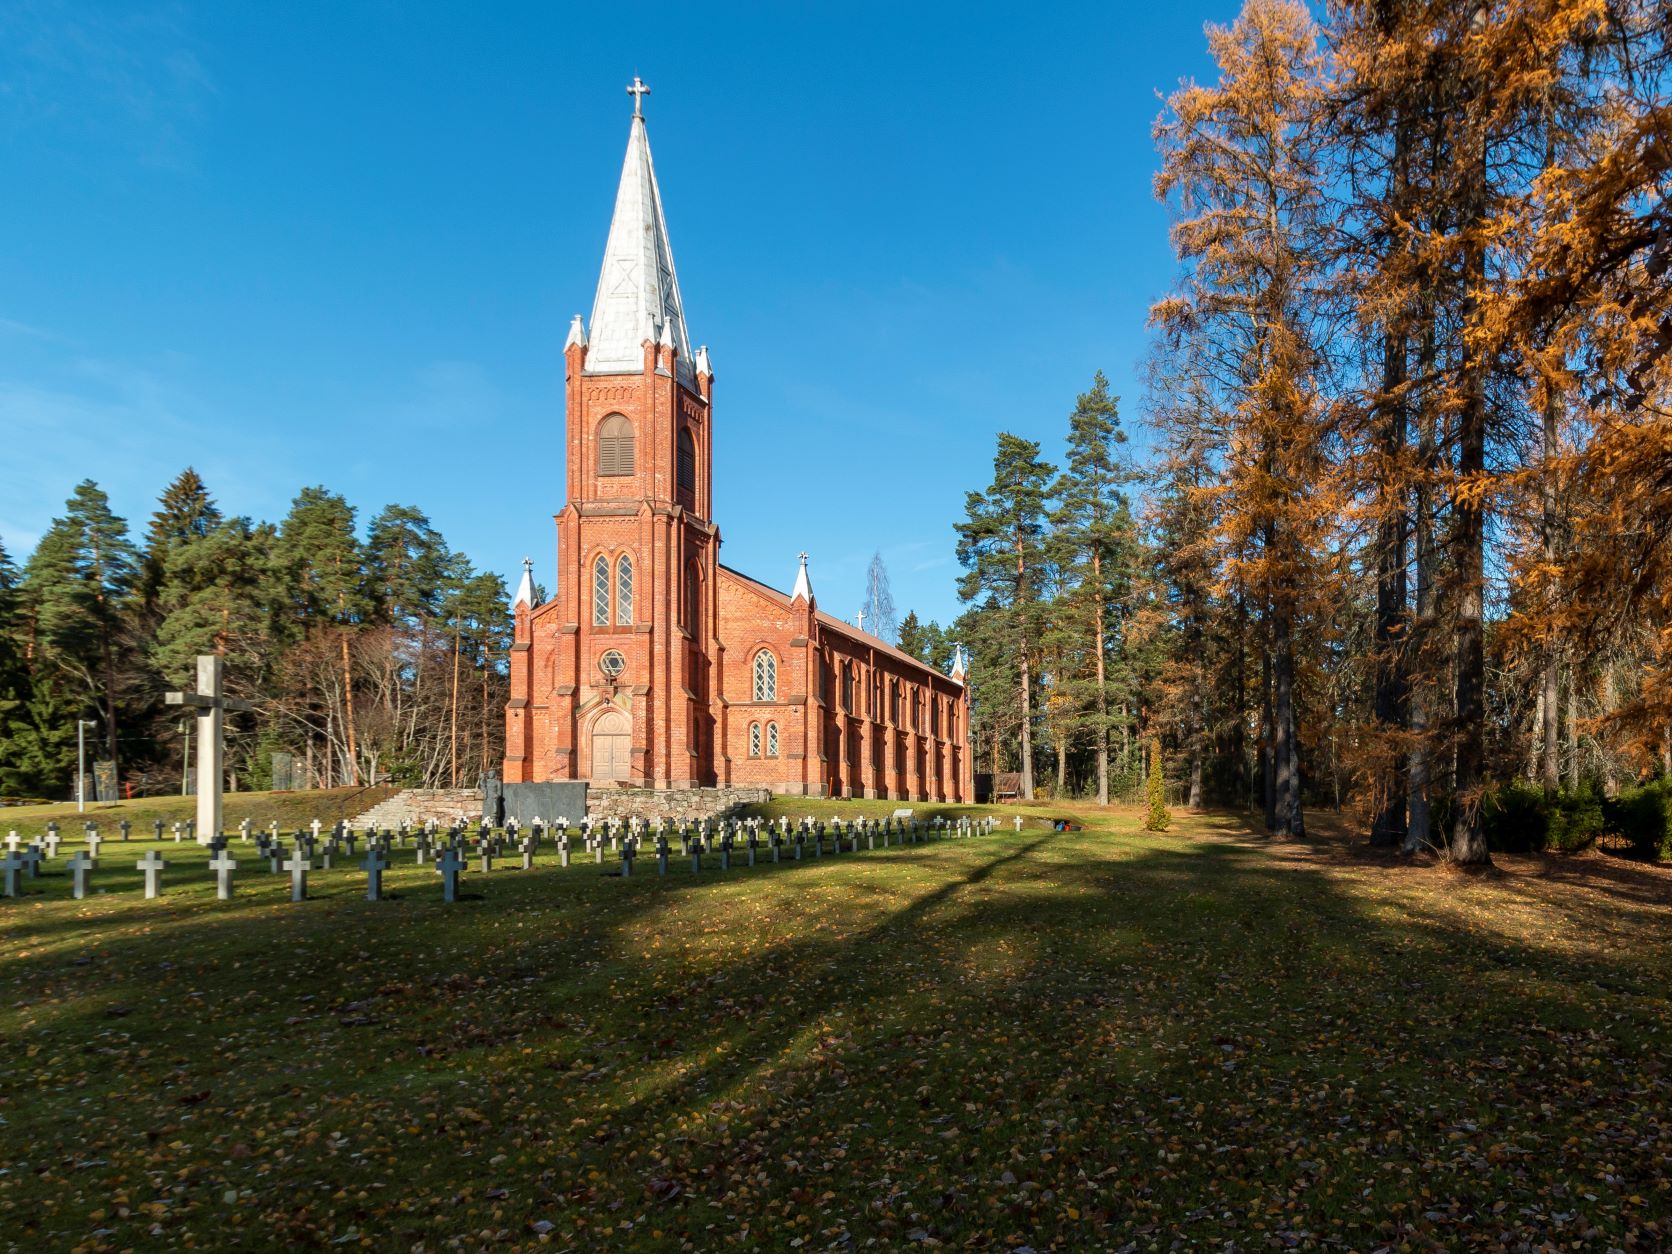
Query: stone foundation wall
[[671, 803]]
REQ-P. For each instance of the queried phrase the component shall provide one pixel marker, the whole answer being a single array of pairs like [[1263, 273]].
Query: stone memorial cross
[[374, 866], [298, 865], [79, 866], [153, 866], [211, 705], [223, 866]]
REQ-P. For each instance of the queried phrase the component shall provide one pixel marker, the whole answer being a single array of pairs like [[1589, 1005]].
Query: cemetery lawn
[[1104, 1040]]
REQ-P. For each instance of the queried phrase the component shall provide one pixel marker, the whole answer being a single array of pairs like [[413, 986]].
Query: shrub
[[1515, 818], [1576, 820], [1643, 816], [1520, 817], [1158, 818]]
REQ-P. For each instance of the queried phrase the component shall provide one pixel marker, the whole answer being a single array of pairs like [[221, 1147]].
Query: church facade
[[654, 665]]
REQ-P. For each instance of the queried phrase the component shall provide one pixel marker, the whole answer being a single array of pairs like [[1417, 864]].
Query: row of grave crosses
[[315, 848]]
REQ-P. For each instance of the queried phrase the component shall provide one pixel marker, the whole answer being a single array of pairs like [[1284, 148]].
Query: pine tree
[[1094, 542], [1000, 546], [321, 570], [75, 589]]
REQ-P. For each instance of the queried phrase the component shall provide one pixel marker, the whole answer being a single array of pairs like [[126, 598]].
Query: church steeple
[[638, 291]]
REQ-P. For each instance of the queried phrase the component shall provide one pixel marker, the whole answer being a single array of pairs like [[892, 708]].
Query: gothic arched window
[[687, 462], [766, 676], [624, 590], [754, 740], [615, 446], [601, 592], [772, 740]]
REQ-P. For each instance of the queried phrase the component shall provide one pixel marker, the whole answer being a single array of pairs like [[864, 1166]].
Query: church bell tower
[[611, 679]]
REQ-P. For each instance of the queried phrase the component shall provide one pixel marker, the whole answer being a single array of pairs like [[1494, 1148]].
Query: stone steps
[[416, 806]]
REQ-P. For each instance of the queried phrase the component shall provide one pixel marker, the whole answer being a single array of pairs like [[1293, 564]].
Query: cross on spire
[[638, 91]]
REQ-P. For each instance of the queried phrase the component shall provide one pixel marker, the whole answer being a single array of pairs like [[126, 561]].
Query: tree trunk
[[1550, 760], [1573, 761], [453, 718], [1268, 761], [1291, 821], [1468, 552], [1392, 698], [1419, 668], [348, 711], [1102, 680], [1026, 785]]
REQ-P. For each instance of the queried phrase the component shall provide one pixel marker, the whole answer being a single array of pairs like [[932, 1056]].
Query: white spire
[[577, 334], [704, 366], [638, 292], [958, 662], [803, 585], [525, 589]]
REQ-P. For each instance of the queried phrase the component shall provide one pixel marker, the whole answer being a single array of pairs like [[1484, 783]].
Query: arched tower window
[[615, 446], [766, 676], [601, 592], [624, 590], [687, 462]]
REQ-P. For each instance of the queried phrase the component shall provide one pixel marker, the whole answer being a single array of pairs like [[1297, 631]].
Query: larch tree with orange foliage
[[1240, 168]]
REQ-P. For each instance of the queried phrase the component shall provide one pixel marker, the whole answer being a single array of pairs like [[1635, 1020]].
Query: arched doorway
[[612, 746]]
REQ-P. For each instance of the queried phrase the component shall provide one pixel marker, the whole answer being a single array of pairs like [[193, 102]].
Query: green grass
[[1101, 1040], [290, 810]]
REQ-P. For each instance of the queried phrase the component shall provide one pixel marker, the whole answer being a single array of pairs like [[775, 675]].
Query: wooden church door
[[612, 747]]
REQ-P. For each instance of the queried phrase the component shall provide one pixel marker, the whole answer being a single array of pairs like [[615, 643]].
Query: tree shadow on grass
[[1157, 1038]]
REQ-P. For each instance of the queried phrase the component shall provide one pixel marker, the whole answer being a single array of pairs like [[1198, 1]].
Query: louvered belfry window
[[687, 462], [615, 446]]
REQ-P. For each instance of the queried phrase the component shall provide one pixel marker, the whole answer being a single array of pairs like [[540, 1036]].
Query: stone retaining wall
[[415, 806], [671, 803]]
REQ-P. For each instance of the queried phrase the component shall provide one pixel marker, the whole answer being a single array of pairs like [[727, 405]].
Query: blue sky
[[341, 242]]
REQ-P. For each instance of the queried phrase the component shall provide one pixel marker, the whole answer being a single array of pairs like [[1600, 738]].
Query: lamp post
[[81, 727]]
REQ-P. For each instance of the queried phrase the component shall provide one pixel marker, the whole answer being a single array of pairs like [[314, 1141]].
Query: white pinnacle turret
[[525, 589], [577, 334], [803, 585], [958, 662]]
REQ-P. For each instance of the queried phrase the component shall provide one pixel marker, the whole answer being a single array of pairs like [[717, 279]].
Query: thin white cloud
[[130, 77]]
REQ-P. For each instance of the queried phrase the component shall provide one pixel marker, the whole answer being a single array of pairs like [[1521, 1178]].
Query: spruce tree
[[185, 512], [925, 641]]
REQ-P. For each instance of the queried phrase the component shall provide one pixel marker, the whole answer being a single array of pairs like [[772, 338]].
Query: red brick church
[[656, 666]]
